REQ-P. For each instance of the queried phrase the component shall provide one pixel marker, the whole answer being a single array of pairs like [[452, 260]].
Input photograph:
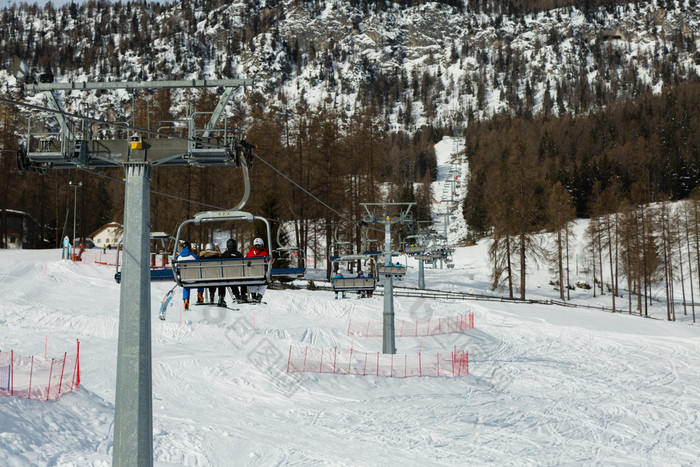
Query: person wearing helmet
[[338, 275], [258, 250], [186, 254], [232, 252], [211, 251]]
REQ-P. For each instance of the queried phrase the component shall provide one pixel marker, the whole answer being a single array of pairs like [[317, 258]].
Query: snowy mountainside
[[418, 64]]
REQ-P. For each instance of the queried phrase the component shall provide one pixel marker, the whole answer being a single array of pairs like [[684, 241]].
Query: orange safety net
[[351, 362], [39, 378], [403, 328]]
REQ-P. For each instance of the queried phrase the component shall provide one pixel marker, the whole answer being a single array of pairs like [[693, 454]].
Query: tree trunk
[[522, 266], [509, 267], [561, 265]]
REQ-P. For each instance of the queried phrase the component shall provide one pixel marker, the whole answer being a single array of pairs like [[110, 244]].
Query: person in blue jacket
[[186, 254]]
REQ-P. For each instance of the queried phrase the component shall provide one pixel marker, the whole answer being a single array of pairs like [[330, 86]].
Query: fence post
[[367, 331], [77, 365], [48, 389], [420, 365], [12, 372], [63, 367], [335, 355], [438, 363], [289, 358], [405, 362], [320, 367], [31, 370], [306, 352], [349, 323], [352, 344], [364, 371], [377, 363]]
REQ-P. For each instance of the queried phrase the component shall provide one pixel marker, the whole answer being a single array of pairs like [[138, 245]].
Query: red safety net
[[97, 256], [403, 328], [38, 378], [351, 362]]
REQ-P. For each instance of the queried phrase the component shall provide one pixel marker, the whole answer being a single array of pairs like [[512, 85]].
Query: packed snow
[[547, 384]]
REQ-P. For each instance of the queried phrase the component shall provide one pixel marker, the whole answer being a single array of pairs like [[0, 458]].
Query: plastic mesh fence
[[38, 378], [5, 378], [403, 328], [350, 362]]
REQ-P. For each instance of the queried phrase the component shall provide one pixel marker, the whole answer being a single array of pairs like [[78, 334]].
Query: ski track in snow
[[547, 385]]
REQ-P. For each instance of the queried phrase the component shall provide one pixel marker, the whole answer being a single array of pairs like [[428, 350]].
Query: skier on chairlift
[[258, 250], [186, 254], [232, 252], [211, 251]]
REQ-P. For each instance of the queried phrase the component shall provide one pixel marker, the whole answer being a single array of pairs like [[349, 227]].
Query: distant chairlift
[[218, 272], [413, 245], [354, 284], [161, 269], [397, 270]]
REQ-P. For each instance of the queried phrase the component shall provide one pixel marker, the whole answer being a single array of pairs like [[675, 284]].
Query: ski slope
[[547, 384]]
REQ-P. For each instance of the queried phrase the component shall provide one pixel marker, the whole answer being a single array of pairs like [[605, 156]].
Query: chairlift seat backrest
[[391, 270], [223, 272], [353, 284]]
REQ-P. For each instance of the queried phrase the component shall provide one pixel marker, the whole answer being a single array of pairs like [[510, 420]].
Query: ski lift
[[397, 270], [413, 247], [222, 272], [288, 255], [161, 267], [368, 245], [354, 284]]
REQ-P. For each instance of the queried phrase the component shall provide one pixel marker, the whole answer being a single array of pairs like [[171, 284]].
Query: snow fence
[[352, 362], [403, 328], [39, 378]]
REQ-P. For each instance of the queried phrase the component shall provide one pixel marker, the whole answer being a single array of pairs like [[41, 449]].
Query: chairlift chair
[[354, 284], [160, 270], [414, 247], [222, 272], [286, 254]]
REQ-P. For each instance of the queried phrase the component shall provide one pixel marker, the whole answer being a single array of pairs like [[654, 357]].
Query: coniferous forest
[[354, 123]]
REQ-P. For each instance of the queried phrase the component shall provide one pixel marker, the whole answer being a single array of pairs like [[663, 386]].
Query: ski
[[165, 302], [250, 302], [217, 306]]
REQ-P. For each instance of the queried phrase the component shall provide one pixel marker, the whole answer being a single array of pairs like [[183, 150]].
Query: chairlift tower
[[402, 215], [75, 146]]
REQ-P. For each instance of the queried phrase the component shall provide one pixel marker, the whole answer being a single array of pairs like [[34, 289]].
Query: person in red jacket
[[257, 291]]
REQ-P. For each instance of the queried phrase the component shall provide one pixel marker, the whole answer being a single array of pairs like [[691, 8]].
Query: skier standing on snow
[[258, 250]]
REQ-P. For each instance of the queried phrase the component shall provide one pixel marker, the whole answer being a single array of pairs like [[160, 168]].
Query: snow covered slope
[[548, 385]]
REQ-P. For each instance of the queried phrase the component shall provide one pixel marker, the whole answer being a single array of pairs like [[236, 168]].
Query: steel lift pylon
[[75, 146]]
